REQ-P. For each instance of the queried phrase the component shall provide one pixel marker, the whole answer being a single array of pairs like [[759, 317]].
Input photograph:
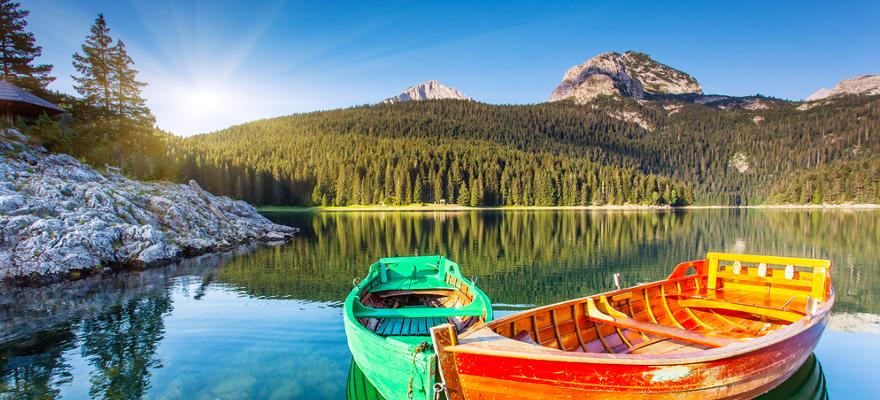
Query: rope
[[420, 348]]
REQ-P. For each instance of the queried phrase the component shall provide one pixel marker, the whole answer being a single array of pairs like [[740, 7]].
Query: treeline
[[545, 154], [854, 181], [352, 169]]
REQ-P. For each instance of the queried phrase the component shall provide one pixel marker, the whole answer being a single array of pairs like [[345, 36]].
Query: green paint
[[400, 351], [358, 387]]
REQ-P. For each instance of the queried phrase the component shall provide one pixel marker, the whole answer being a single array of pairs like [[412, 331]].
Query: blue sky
[[212, 63]]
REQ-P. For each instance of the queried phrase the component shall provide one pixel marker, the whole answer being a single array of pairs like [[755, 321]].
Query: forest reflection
[[120, 345], [101, 339], [539, 257]]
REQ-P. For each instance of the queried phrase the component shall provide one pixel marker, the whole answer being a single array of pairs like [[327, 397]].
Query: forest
[[548, 154], [666, 151]]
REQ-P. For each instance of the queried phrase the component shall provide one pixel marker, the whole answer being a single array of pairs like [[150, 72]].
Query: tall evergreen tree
[[18, 49], [95, 66], [126, 91]]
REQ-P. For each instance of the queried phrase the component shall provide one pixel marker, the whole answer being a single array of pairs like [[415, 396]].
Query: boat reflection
[[808, 383], [358, 387]]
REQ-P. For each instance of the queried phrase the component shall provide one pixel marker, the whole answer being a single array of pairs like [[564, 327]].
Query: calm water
[[266, 322]]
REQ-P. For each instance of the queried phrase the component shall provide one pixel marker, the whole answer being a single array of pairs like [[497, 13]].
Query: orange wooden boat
[[730, 326]]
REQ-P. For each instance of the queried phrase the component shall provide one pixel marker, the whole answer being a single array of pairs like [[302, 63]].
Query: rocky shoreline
[[62, 220]]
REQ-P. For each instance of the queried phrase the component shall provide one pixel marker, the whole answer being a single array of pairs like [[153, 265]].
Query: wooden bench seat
[[620, 321], [408, 326]]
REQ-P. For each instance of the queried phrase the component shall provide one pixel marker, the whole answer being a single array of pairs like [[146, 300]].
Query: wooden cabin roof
[[18, 100]]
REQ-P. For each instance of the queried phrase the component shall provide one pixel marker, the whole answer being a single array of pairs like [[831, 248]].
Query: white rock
[[428, 90], [58, 215], [159, 253], [10, 203], [631, 74], [740, 161], [14, 134], [866, 85]]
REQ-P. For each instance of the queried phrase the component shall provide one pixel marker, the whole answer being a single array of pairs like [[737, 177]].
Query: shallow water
[[266, 322]]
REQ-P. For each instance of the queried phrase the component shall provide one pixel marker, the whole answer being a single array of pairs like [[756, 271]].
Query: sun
[[205, 100]]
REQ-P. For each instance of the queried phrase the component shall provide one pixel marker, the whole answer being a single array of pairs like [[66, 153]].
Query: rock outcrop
[[867, 85], [62, 219], [428, 90], [631, 74]]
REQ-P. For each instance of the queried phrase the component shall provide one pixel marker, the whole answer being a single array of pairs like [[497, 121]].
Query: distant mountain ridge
[[868, 85], [619, 129], [631, 74], [428, 90]]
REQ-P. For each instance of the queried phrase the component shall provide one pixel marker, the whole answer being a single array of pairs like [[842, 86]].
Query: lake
[[265, 322]]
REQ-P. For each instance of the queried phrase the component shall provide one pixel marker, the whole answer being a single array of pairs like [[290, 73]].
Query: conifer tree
[[18, 49], [95, 80], [126, 91]]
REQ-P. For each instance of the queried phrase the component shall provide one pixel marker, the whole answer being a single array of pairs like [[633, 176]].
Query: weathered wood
[[698, 342], [443, 336], [210, 205]]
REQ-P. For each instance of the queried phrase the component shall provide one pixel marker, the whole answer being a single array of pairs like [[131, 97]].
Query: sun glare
[[204, 100]]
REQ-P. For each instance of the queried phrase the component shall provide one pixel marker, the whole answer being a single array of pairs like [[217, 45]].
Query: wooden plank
[[765, 280], [655, 329], [789, 316], [397, 325], [361, 311], [388, 326], [391, 293], [556, 329], [383, 326], [443, 336], [424, 328]]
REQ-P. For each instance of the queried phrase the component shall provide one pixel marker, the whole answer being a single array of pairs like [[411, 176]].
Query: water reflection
[[120, 344], [265, 322], [539, 257], [808, 383]]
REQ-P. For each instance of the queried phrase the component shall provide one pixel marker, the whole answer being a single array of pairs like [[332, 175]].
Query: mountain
[[428, 90], [612, 151], [637, 132], [867, 85], [631, 74]]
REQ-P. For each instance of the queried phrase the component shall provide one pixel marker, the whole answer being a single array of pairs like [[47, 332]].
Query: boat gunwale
[[484, 341], [354, 295]]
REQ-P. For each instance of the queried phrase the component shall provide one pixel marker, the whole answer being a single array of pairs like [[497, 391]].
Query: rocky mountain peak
[[631, 74], [867, 85], [428, 90]]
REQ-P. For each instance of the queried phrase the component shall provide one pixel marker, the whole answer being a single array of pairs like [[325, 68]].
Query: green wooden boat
[[388, 317]]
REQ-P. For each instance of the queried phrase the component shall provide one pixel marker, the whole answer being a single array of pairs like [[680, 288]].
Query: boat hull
[[388, 364], [391, 345], [486, 376], [711, 330]]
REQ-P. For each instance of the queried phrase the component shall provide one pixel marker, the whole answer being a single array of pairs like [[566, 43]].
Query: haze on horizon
[[212, 64]]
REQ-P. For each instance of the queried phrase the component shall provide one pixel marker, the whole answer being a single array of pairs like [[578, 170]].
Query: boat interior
[[394, 304], [723, 300]]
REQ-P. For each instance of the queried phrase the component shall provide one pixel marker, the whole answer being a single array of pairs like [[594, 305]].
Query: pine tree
[[18, 50], [126, 91], [95, 66], [417, 190]]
